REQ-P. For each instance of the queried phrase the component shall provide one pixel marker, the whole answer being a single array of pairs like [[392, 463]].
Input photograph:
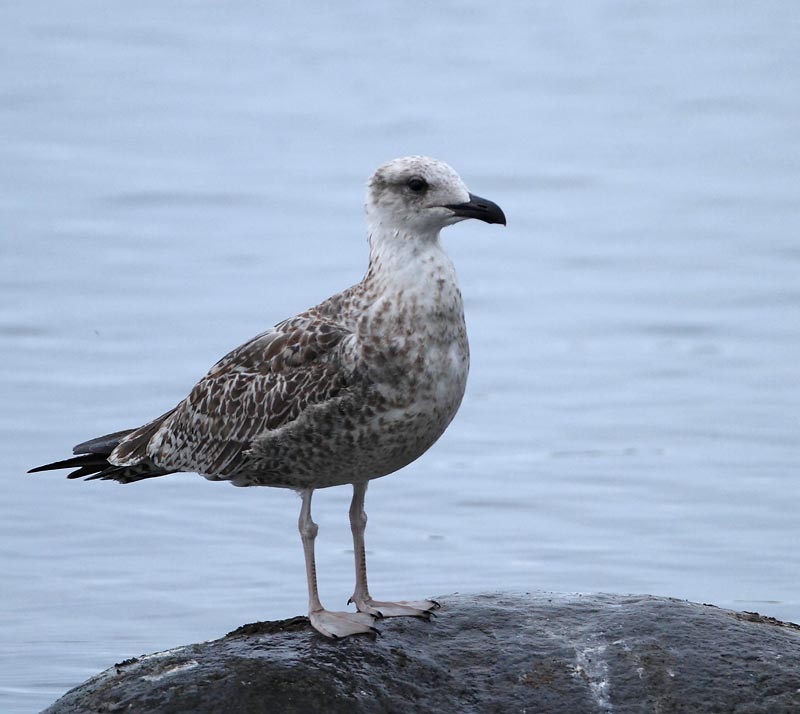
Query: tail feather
[[102, 444], [92, 462]]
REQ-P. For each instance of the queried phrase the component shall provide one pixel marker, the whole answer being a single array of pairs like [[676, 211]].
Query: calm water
[[175, 179]]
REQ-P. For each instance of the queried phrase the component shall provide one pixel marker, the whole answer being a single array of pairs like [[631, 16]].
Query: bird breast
[[413, 341]]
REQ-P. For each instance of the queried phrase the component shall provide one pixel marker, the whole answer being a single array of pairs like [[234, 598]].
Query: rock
[[536, 653]]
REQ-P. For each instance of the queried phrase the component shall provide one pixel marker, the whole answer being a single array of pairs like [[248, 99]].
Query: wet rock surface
[[535, 653]]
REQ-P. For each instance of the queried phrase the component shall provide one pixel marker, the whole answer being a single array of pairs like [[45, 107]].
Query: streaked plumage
[[350, 390]]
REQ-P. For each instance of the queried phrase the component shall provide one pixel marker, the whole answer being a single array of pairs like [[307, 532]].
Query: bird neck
[[395, 250], [411, 267]]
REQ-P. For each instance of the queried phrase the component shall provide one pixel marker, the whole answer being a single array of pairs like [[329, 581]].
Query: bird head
[[420, 195]]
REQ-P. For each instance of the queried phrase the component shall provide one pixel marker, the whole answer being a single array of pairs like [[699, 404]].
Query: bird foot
[[404, 608], [342, 624]]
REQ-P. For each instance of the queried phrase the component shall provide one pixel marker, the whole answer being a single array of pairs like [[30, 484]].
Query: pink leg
[[361, 597], [330, 624]]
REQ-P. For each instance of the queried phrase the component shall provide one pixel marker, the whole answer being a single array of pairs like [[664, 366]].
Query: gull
[[350, 390]]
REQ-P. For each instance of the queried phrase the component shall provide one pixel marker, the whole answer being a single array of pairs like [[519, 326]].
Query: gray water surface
[[177, 177]]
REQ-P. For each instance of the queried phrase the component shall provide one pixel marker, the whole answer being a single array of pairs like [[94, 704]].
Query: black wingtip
[[80, 462]]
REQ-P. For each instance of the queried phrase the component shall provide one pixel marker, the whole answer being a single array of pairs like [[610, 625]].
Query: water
[[176, 177]]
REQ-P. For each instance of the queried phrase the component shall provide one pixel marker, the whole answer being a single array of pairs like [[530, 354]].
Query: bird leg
[[361, 597], [330, 624]]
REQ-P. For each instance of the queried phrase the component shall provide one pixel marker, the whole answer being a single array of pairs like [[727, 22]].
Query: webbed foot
[[404, 608], [342, 624]]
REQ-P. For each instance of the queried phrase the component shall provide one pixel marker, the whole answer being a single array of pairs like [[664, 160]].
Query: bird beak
[[481, 208]]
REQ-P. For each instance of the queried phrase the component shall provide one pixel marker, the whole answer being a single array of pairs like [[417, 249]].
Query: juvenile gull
[[347, 391]]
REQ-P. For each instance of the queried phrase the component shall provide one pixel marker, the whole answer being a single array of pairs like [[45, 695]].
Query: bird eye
[[417, 184]]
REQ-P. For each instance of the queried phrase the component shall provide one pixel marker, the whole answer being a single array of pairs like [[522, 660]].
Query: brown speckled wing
[[260, 386]]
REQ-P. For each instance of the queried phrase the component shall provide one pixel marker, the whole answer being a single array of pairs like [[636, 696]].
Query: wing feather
[[261, 386]]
